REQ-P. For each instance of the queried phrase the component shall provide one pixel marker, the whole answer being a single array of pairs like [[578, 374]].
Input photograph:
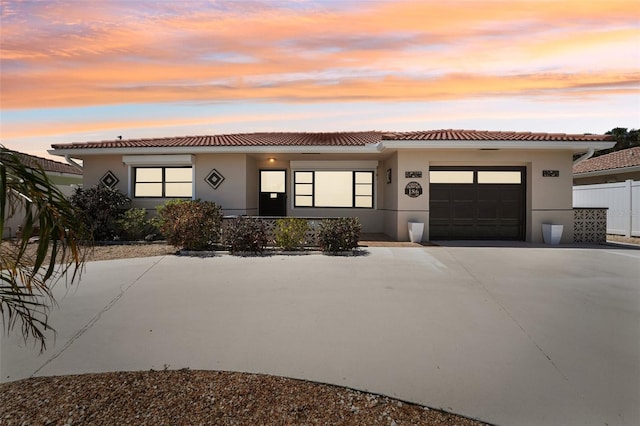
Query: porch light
[[271, 160]]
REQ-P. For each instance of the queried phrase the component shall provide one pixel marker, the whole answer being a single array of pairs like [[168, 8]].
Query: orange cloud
[[107, 53]]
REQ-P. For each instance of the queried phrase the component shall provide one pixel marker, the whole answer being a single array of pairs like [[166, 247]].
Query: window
[[499, 177], [163, 182], [451, 176], [346, 189]]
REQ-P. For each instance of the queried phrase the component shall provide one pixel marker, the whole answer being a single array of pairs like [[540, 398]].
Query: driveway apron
[[506, 335]]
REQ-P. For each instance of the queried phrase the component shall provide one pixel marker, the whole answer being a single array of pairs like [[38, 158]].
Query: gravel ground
[[187, 397]]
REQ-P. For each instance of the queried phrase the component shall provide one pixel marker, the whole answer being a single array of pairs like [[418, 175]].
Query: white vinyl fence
[[621, 198]]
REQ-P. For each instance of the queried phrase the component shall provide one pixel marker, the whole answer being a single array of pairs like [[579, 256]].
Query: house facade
[[460, 184]]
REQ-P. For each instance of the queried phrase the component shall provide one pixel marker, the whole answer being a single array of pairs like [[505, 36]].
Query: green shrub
[[339, 234], [290, 233], [134, 226], [189, 224], [244, 234], [100, 209]]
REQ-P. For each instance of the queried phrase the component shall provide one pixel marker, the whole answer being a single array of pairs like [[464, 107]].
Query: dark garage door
[[477, 203]]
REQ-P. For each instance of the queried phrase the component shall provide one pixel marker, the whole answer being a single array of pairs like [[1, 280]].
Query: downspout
[[71, 161], [586, 156]]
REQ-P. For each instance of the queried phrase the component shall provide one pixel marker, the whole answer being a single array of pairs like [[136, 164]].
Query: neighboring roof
[[326, 139], [612, 161], [46, 164]]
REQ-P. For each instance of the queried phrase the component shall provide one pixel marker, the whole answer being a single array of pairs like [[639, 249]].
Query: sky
[[84, 70]]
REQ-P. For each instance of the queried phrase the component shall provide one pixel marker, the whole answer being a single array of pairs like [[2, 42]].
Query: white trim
[[356, 165], [158, 160]]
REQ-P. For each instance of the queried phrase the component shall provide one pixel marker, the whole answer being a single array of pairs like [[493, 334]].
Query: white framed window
[[333, 188], [512, 177], [163, 182]]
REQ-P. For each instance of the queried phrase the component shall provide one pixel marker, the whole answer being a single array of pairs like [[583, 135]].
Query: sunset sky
[[75, 71]]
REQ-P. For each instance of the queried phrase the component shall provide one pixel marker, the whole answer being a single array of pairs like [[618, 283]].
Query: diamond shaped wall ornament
[[109, 179], [214, 178]]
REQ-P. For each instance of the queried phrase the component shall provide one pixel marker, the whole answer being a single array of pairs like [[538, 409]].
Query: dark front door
[[273, 194], [481, 203]]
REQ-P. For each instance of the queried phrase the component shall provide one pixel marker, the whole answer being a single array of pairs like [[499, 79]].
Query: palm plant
[[27, 279]]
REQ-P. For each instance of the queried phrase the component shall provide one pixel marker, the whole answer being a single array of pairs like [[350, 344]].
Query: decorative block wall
[[589, 225]]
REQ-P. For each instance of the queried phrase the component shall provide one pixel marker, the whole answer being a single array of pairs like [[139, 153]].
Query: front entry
[[273, 194], [477, 203]]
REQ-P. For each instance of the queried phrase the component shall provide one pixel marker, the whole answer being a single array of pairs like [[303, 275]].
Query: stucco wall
[[253, 179], [95, 167], [390, 190], [231, 195], [549, 199]]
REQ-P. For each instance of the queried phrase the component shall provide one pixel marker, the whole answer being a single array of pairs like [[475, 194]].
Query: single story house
[[65, 176], [462, 184], [617, 166]]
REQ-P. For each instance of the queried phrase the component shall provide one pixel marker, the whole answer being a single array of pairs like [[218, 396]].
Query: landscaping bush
[[134, 226], [190, 224], [100, 209], [290, 233], [339, 234], [244, 234]]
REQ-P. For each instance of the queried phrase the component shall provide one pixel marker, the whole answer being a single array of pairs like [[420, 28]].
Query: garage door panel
[[511, 210], [477, 211], [463, 210], [487, 210]]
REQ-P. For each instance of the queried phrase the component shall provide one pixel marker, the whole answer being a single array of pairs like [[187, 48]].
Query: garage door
[[477, 203]]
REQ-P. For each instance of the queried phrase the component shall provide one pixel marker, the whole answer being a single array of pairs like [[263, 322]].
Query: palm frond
[[26, 281]]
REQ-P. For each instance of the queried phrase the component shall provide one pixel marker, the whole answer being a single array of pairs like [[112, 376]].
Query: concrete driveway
[[514, 336]]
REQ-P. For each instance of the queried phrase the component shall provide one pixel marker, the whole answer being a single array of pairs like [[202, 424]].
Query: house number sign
[[550, 173], [413, 174], [413, 189]]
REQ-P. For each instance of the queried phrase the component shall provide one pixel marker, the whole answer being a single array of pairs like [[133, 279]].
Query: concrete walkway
[[513, 336]]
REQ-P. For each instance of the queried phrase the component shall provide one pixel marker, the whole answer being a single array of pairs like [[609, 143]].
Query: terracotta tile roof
[[325, 139], [614, 160], [242, 139], [46, 164], [482, 135]]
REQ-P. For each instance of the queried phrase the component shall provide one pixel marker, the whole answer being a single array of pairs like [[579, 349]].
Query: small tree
[[100, 208], [26, 281], [191, 225]]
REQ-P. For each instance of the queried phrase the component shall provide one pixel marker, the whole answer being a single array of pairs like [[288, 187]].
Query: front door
[[273, 194]]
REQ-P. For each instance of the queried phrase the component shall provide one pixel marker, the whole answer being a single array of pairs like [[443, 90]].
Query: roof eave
[[630, 169], [272, 149], [575, 146]]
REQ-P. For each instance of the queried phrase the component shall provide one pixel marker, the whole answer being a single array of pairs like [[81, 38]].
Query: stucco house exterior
[[462, 184], [65, 176], [617, 166]]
